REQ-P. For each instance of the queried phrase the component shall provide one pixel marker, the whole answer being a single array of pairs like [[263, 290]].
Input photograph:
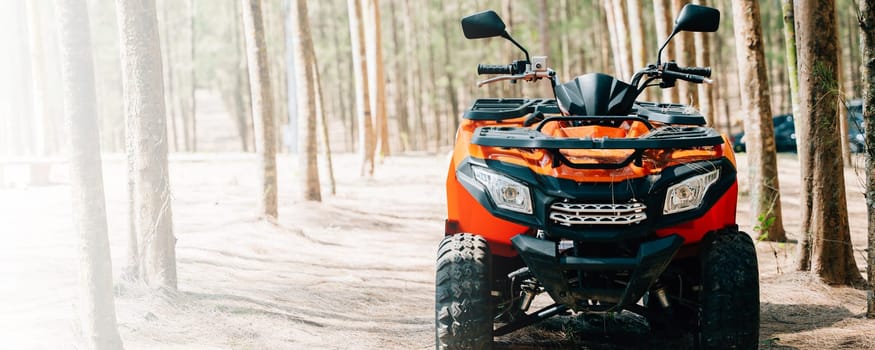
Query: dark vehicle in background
[[785, 132]]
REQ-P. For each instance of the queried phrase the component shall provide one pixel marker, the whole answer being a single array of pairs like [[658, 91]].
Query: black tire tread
[[730, 292], [463, 313]]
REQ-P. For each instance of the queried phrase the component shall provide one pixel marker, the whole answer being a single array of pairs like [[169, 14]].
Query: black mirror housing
[[486, 24], [695, 18]]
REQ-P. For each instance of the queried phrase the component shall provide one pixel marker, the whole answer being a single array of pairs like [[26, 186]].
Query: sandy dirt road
[[353, 272]]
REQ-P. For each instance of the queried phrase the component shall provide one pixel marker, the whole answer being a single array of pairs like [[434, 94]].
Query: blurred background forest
[[429, 67], [304, 279]]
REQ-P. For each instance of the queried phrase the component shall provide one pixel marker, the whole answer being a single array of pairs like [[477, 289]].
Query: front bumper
[[550, 268]]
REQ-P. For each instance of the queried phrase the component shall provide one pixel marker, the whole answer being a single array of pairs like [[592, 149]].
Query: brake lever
[[501, 78], [527, 77]]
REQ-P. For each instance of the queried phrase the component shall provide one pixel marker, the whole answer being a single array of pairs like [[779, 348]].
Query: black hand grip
[[493, 69], [700, 71], [684, 76]]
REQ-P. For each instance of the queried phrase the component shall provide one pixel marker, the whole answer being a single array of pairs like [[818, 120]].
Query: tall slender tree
[[703, 59], [816, 37], [759, 130], [362, 93], [96, 303], [144, 106], [305, 61], [867, 45], [376, 74], [262, 105], [803, 261], [684, 54], [638, 40], [323, 122], [662, 12]]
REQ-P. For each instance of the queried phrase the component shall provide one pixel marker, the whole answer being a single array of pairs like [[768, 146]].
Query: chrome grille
[[570, 214]]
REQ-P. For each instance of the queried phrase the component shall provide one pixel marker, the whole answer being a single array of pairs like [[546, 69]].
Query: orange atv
[[605, 203]]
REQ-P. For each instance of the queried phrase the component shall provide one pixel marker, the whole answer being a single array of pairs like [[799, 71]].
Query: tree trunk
[[803, 262], [867, 45], [262, 105], [96, 304], [326, 141], [832, 253], [623, 42], [454, 114], [843, 113], [362, 95], [565, 42], [611, 21], [758, 128], [144, 104], [684, 55], [638, 40], [662, 13], [239, 90], [376, 75], [703, 59], [400, 81], [305, 61], [348, 122]]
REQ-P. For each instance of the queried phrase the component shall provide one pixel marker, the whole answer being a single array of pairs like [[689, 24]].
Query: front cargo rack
[[509, 108]]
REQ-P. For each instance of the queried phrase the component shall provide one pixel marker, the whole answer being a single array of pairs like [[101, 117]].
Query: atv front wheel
[[463, 310], [730, 294]]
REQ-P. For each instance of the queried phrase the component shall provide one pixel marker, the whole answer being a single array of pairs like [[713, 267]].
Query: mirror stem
[[664, 44], [508, 37]]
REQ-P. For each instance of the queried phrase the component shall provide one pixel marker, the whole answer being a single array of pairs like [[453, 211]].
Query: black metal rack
[[509, 108]]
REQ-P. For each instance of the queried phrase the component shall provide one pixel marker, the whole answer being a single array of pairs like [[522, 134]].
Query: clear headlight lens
[[688, 194], [505, 192]]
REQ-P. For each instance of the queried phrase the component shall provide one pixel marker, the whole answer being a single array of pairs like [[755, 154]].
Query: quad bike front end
[[603, 202]]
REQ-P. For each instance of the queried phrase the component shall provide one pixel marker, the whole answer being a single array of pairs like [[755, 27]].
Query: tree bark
[[376, 76], [400, 81], [703, 59], [683, 50], [262, 105], [803, 261], [614, 40], [662, 13], [832, 253], [623, 42], [144, 104], [758, 127], [306, 90], [96, 303], [867, 45], [638, 41], [362, 93], [326, 141]]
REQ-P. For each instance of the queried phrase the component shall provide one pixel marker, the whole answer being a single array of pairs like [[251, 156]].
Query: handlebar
[[701, 71], [494, 69]]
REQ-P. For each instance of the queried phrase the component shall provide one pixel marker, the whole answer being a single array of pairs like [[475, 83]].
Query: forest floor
[[354, 271]]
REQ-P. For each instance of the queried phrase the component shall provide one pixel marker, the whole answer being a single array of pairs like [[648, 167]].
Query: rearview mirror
[[695, 18], [484, 24]]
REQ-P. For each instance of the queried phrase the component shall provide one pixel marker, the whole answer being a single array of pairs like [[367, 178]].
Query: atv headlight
[[505, 192], [688, 194]]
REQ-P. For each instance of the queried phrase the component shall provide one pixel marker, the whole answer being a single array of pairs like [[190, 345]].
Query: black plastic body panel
[[545, 263], [668, 137], [509, 108], [670, 113]]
